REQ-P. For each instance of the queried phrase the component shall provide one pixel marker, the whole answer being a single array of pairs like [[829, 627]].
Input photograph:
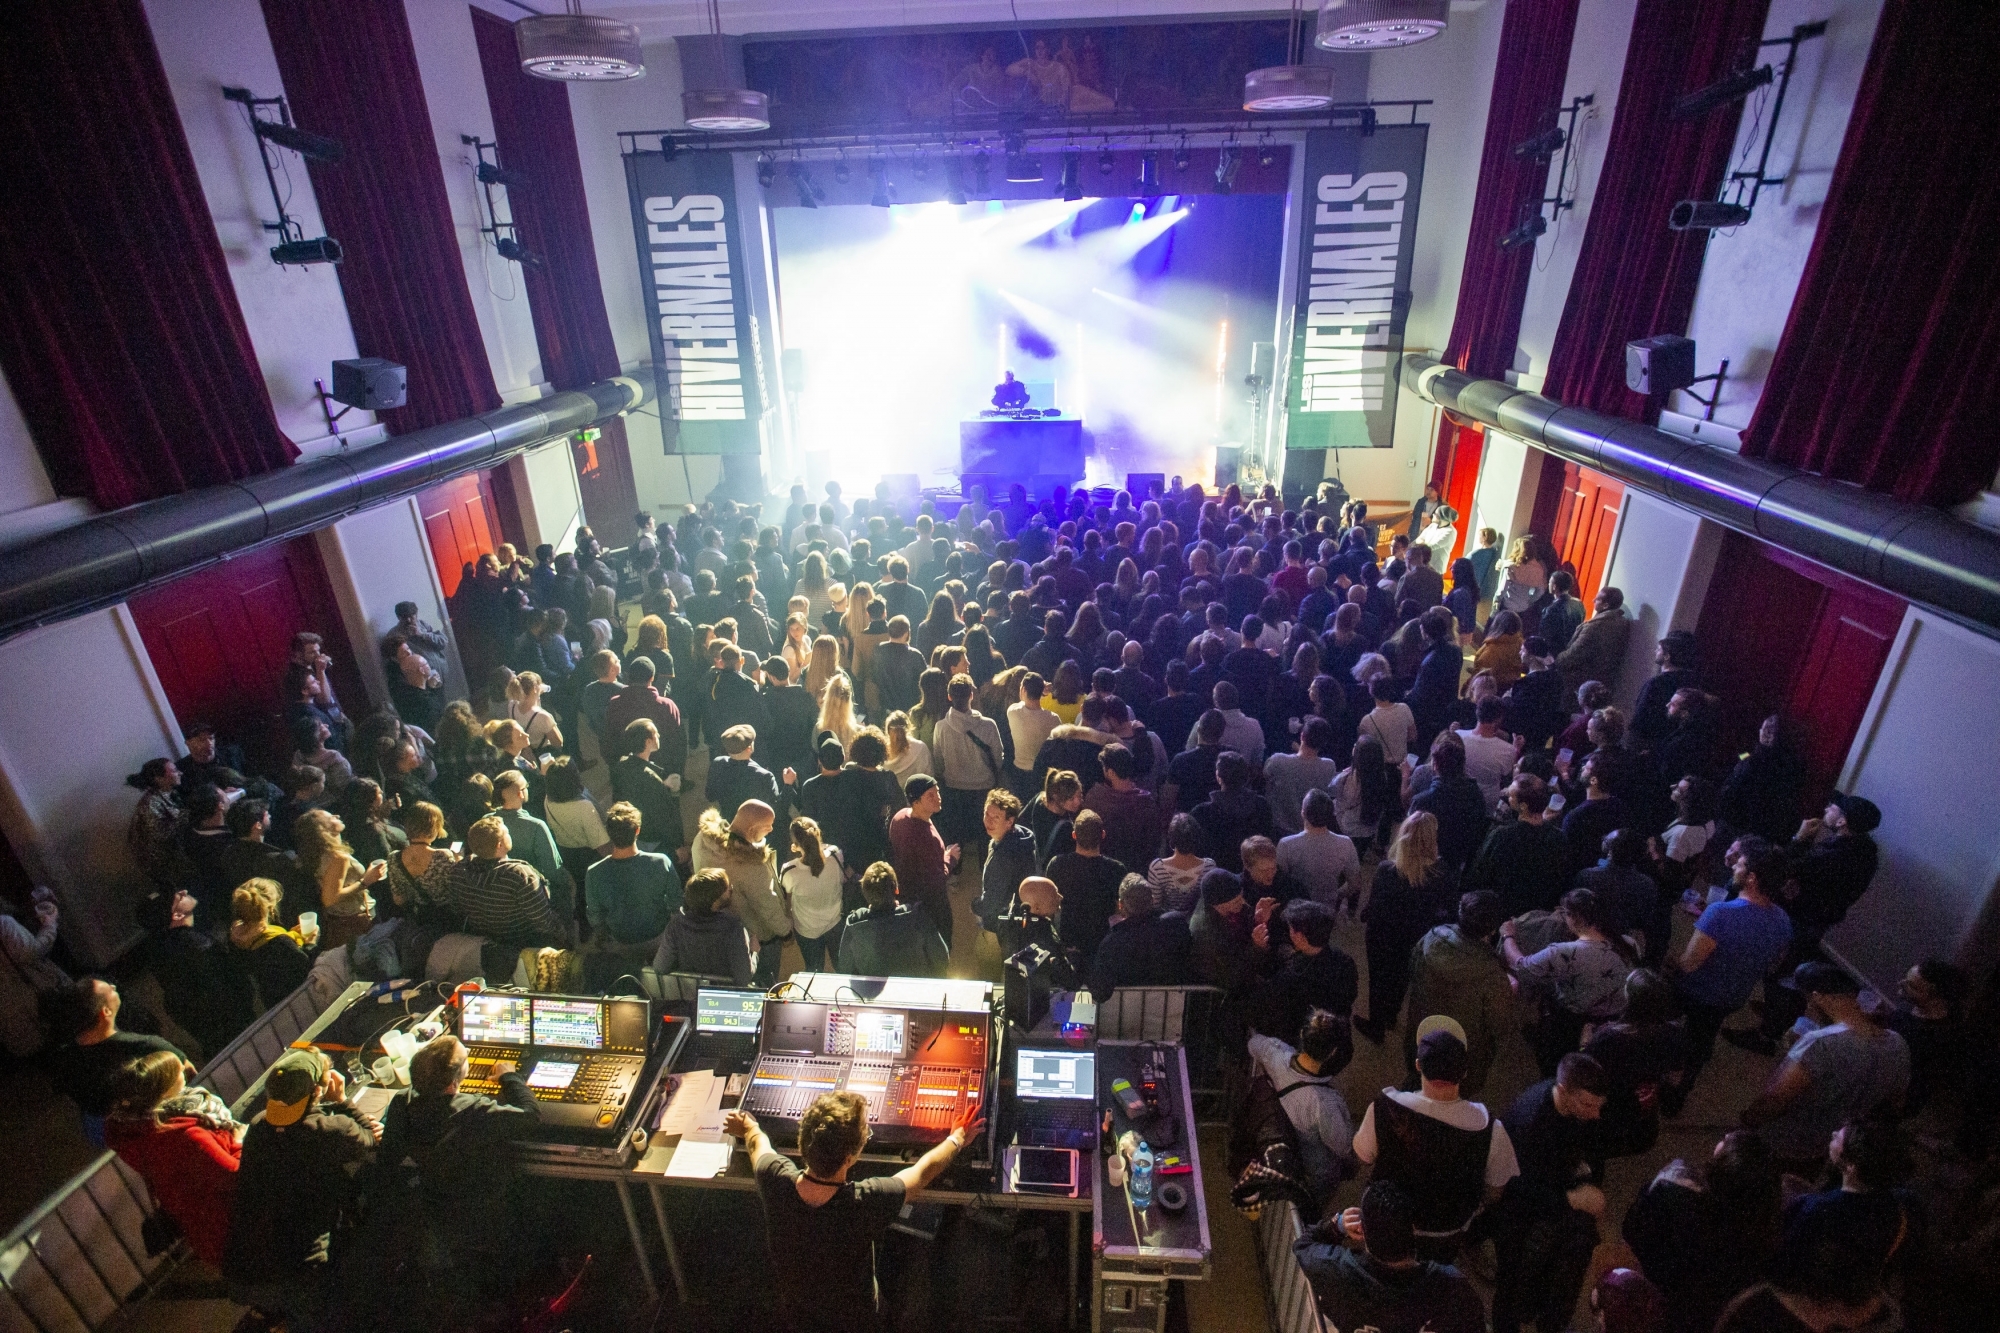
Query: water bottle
[[1142, 1177]]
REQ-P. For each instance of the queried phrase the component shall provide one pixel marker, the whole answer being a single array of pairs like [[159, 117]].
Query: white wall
[[98, 713], [1917, 756], [551, 502], [1596, 63], [374, 560], [1749, 275], [1661, 559], [1456, 72], [1504, 498], [296, 316]]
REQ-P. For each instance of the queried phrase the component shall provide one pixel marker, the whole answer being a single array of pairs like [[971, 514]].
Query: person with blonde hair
[[416, 871], [815, 587], [822, 666], [1415, 889], [836, 711], [346, 907], [274, 960], [524, 706], [738, 847], [860, 647], [797, 648], [907, 754]]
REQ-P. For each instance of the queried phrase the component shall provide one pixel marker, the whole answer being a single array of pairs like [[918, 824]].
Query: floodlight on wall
[[1291, 86], [1527, 232], [576, 47], [712, 74], [1377, 25], [1022, 169], [292, 246], [1541, 148], [489, 173], [1706, 215], [1741, 188]]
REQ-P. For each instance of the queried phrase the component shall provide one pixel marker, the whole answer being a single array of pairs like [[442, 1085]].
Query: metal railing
[[1188, 1015], [1288, 1296], [80, 1257]]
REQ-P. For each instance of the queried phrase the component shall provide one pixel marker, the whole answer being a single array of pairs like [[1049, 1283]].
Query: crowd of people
[[1163, 740]]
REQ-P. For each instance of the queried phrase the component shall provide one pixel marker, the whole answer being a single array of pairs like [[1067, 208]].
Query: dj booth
[[632, 1093], [1035, 450]]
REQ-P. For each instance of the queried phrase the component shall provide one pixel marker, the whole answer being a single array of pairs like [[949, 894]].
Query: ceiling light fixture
[[767, 170], [885, 193], [1107, 161], [1149, 175], [576, 47], [982, 163], [712, 73], [1378, 25], [1291, 86], [1021, 168], [1181, 155], [1072, 175], [1227, 163], [954, 181]]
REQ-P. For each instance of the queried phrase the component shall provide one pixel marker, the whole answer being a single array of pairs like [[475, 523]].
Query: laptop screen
[[1055, 1075], [728, 1013]]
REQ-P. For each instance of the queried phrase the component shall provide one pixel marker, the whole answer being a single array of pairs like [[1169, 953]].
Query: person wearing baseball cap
[[302, 1157], [1847, 1067], [1451, 1156]]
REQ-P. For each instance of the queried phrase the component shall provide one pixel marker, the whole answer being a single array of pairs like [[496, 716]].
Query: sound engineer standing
[[820, 1226]]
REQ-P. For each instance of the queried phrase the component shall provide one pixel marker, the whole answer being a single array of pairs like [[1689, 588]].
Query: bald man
[[1034, 918]]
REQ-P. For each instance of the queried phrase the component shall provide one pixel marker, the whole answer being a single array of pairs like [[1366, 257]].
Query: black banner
[[1357, 234], [705, 352]]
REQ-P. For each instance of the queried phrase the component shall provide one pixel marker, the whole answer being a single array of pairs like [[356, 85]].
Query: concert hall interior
[[1139, 665]]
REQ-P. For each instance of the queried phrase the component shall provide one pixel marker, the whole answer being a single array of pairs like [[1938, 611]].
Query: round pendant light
[[1376, 25], [726, 109], [578, 47], [1288, 88]]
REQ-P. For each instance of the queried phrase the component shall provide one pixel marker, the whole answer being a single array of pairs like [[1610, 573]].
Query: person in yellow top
[[271, 958]]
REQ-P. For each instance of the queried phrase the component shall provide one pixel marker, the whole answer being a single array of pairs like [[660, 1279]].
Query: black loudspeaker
[[1228, 464], [1144, 486], [370, 383], [742, 478], [1304, 470], [1658, 365]]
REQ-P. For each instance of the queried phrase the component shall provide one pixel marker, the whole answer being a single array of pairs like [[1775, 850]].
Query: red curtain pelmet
[[350, 70], [531, 120], [1635, 278], [120, 334], [1884, 375]]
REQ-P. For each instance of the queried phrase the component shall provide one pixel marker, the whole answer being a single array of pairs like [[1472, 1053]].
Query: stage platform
[[1036, 452]]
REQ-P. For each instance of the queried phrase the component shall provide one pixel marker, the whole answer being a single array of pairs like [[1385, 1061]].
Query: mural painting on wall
[[1036, 72]]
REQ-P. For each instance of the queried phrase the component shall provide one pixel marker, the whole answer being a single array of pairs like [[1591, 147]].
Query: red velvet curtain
[[1535, 40], [531, 120], [1884, 376], [1634, 277], [120, 334], [350, 71]]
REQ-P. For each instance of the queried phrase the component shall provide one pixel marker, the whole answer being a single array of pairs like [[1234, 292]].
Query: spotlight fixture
[[954, 181], [292, 246], [1291, 86], [1021, 168], [1375, 25], [982, 163], [921, 168], [884, 195], [1531, 227], [1543, 146], [1267, 153], [492, 173], [1706, 215], [510, 248], [578, 47], [1227, 163], [809, 189], [767, 170], [716, 97], [1731, 88], [1181, 155], [1149, 174], [489, 173], [1072, 175], [1107, 161], [841, 172]]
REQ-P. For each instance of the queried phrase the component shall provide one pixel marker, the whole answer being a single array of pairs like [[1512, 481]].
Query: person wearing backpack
[[1297, 1083]]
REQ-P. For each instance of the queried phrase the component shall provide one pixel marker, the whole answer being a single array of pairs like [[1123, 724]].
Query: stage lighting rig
[[767, 170], [1267, 153], [841, 172], [1181, 155], [921, 168], [811, 192], [1072, 175], [982, 165], [1107, 161], [885, 193], [1541, 148], [292, 246], [954, 181], [1149, 174], [506, 236], [1227, 163], [1742, 187], [1021, 168]]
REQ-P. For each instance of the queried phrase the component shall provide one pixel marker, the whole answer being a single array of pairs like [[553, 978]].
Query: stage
[[1037, 452]]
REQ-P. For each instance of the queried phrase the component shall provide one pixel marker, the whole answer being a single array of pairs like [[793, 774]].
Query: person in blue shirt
[[1734, 944]]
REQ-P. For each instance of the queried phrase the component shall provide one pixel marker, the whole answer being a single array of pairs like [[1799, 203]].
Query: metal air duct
[[1914, 551]]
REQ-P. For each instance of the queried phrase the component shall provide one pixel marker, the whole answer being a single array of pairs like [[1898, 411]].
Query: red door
[[1780, 634], [220, 641], [459, 519], [604, 480], [1586, 517]]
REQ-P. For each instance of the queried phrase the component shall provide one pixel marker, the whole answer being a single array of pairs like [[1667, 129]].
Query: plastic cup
[[309, 926]]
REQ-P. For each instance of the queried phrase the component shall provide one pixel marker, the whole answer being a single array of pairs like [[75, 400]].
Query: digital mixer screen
[[727, 1012], [553, 1074], [878, 1033], [578, 1024], [1055, 1075], [500, 1020]]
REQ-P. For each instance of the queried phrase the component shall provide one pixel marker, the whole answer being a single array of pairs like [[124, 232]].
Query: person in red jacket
[[185, 1150]]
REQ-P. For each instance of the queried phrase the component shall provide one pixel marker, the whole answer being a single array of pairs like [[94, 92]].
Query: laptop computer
[[1055, 1098], [726, 1024]]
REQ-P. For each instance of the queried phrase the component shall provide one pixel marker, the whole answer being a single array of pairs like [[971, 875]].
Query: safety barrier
[[1188, 1015], [80, 1257], [1288, 1296]]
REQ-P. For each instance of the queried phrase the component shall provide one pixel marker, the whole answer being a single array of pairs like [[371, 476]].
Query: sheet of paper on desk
[[699, 1160], [375, 1101], [696, 1105]]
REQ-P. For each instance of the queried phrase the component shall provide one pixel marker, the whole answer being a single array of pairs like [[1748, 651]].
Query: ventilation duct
[[1918, 553], [109, 558]]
